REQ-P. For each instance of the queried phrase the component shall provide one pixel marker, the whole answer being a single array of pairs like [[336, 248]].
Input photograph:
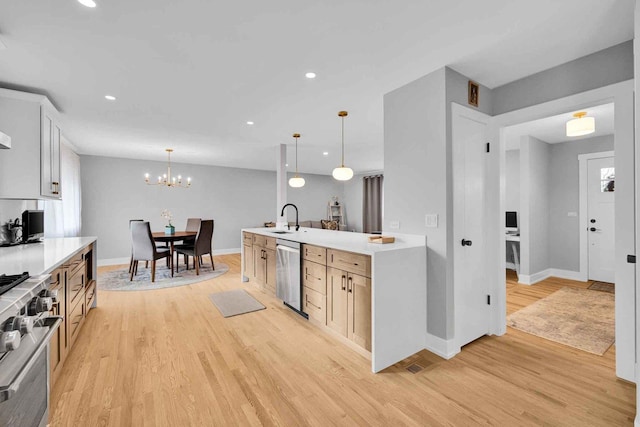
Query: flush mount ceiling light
[[310, 75], [250, 123], [87, 3], [110, 97], [581, 125], [296, 181], [342, 173], [166, 179], [325, 153]]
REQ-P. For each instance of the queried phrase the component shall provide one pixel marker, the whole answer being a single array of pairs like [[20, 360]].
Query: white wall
[[352, 198], [113, 192]]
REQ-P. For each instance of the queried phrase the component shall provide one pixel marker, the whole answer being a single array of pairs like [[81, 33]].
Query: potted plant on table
[[168, 229]]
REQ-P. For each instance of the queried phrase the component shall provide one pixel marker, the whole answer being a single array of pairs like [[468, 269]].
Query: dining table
[[160, 236]]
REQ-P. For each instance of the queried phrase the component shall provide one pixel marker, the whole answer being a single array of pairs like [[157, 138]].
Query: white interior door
[[600, 217], [470, 281]]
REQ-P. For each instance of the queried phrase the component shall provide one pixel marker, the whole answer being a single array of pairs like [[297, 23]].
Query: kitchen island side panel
[[399, 300]]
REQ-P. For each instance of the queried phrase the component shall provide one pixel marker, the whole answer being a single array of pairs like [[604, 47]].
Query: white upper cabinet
[[30, 169]]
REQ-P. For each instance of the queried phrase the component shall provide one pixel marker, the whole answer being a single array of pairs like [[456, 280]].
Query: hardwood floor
[[168, 358]]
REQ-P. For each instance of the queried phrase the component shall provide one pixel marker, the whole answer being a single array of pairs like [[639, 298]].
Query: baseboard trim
[[443, 348], [568, 274], [125, 260]]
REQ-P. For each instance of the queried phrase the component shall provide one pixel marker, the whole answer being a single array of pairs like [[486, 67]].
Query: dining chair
[[193, 224], [144, 249], [202, 246], [131, 261]]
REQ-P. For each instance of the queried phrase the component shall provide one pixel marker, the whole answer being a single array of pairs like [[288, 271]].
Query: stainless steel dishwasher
[[288, 273]]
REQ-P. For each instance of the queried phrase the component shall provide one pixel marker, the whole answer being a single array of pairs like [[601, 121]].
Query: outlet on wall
[[394, 225]]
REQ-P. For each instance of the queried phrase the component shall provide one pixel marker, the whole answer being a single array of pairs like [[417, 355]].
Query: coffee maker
[[11, 233]]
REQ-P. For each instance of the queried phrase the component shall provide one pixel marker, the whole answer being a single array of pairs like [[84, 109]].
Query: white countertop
[[343, 240], [40, 258]]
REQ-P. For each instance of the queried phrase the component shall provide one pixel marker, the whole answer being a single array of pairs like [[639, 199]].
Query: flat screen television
[[32, 226], [511, 221]]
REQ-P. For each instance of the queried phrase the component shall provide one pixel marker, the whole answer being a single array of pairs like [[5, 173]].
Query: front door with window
[[600, 227]]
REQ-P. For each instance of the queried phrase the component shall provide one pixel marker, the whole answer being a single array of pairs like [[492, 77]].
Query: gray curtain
[[372, 204]]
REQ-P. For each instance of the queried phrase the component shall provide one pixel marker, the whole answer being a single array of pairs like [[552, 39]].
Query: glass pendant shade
[[581, 125], [342, 173], [296, 182]]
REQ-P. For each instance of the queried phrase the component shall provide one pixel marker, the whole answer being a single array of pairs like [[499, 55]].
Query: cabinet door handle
[[344, 278], [350, 284]]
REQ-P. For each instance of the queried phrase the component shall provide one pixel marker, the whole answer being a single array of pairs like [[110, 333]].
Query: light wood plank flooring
[[168, 358]]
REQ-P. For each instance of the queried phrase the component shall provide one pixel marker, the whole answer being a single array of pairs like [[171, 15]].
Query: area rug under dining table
[[118, 280]]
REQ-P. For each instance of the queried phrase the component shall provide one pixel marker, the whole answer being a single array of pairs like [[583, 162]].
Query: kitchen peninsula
[[71, 262], [375, 295]]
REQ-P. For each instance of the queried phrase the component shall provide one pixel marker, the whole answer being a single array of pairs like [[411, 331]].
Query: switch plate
[[572, 213], [394, 225], [431, 220]]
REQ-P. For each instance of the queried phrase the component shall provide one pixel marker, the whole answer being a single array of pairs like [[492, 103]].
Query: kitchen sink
[[281, 232]]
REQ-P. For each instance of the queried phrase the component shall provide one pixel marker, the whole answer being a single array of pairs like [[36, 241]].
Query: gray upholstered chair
[[202, 245], [144, 249], [131, 261], [193, 224]]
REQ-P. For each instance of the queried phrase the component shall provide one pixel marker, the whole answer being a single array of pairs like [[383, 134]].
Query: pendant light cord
[[296, 156], [342, 141]]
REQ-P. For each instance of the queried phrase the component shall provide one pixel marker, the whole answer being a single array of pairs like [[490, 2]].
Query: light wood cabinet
[[260, 260], [76, 285], [314, 253], [349, 261], [31, 168], [349, 305], [314, 276], [314, 304]]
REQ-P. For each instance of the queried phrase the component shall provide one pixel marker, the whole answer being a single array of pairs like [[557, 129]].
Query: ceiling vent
[[5, 140]]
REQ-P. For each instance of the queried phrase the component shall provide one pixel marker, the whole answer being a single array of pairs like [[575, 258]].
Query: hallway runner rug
[[579, 318]]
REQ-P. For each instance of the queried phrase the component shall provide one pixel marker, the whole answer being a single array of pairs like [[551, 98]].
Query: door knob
[[592, 229], [466, 242]]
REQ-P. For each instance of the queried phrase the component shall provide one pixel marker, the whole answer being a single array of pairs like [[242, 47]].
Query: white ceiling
[[552, 130], [188, 74]]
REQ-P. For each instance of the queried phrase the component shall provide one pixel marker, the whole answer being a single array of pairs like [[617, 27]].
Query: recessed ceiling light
[[286, 164], [88, 3], [310, 75], [250, 123], [110, 97], [326, 153]]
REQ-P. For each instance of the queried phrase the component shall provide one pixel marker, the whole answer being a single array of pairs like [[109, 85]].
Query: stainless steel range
[[26, 327]]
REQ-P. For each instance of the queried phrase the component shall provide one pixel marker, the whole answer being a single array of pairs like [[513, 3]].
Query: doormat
[[603, 287], [579, 318], [235, 302]]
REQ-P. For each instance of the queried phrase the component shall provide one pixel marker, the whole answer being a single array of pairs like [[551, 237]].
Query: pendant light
[[296, 181], [166, 179], [342, 173], [581, 125]]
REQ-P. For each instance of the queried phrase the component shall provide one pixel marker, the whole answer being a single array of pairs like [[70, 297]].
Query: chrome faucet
[[296, 208]]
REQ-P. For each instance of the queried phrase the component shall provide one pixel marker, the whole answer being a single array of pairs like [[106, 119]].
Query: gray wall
[[113, 192], [512, 181], [603, 68], [415, 170], [457, 87], [564, 231], [312, 199], [352, 197], [535, 158]]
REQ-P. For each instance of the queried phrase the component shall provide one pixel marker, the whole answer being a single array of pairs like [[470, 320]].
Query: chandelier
[[166, 179]]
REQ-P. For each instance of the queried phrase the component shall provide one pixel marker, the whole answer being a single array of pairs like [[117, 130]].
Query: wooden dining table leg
[[171, 250]]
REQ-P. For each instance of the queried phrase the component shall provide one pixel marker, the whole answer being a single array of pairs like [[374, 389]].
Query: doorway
[[621, 95]]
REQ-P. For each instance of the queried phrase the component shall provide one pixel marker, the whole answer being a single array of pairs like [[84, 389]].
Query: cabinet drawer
[[348, 261], [74, 321], [57, 277], [75, 286], [314, 276], [74, 262], [259, 240], [270, 243], [314, 304], [90, 295], [315, 254], [247, 238]]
